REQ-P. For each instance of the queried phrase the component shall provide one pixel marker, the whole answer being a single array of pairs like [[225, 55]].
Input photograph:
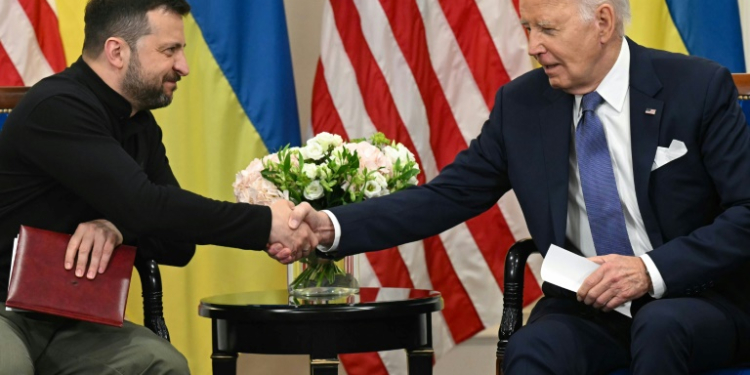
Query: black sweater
[[71, 153]]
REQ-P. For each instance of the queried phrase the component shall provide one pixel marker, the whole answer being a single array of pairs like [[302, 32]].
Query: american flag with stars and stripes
[[425, 73], [30, 43]]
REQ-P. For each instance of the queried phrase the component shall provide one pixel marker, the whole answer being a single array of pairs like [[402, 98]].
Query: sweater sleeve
[[70, 141], [173, 253]]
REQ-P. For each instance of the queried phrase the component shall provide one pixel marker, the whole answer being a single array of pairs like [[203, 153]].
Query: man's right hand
[[287, 244], [318, 221], [304, 216], [96, 239]]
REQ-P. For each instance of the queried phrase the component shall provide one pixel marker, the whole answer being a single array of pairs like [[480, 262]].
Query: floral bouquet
[[327, 172]]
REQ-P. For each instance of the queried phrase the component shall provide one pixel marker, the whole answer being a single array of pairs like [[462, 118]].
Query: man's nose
[[535, 45], [181, 65]]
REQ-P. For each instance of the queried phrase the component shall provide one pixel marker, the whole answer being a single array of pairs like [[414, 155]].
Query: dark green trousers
[[45, 345]]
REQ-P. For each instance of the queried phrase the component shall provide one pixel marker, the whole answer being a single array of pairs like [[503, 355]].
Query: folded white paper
[[664, 155], [568, 271]]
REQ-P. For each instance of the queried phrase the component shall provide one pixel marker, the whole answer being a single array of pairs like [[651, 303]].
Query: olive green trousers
[[44, 345]]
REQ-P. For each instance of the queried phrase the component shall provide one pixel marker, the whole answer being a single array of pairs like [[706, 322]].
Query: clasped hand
[[296, 231], [286, 243], [619, 279]]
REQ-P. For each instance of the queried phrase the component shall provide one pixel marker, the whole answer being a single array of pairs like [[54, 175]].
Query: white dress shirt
[[614, 114]]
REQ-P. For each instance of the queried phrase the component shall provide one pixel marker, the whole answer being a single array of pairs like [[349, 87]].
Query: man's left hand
[[619, 279]]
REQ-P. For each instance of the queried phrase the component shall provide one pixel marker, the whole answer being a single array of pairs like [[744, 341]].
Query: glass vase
[[317, 277]]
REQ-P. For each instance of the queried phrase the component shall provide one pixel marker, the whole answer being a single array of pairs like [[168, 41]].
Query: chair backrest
[[9, 98], [742, 81]]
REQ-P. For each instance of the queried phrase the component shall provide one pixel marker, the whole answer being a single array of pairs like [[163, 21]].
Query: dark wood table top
[[279, 305]]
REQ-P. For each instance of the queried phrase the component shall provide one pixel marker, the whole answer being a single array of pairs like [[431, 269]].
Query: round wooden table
[[273, 322]]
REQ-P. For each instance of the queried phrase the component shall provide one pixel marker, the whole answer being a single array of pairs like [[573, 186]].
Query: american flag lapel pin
[[650, 111]]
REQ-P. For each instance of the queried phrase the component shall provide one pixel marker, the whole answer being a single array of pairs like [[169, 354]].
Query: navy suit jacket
[[696, 209]]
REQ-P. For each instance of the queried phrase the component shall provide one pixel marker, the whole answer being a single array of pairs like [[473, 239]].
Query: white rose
[[404, 153], [310, 170], [327, 140], [398, 152], [314, 190], [391, 153], [313, 150]]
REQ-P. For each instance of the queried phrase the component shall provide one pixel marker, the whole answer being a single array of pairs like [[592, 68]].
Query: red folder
[[40, 283]]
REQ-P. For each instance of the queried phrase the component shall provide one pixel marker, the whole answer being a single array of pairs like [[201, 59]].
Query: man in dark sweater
[[83, 154]]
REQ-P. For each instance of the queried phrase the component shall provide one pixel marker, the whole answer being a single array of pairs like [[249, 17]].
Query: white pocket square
[[664, 155]]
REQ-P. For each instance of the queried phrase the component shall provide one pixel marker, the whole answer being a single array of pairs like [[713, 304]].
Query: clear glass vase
[[317, 277]]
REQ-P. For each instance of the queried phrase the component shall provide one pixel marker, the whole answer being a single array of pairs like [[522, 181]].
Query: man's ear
[[605, 21], [117, 52]]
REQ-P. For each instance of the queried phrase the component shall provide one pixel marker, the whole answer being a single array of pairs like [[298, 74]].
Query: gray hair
[[621, 7]]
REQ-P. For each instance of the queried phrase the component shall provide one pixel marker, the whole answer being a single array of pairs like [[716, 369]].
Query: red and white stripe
[[425, 72], [30, 43]]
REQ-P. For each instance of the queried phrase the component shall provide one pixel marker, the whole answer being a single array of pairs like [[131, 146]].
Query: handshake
[[297, 231]]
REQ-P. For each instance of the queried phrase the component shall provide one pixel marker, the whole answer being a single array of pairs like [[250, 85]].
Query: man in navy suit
[[604, 119]]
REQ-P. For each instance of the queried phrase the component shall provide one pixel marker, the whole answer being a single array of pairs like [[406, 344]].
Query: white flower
[[310, 170], [337, 155], [376, 186], [313, 150], [327, 161], [313, 191], [328, 140], [398, 152], [324, 172]]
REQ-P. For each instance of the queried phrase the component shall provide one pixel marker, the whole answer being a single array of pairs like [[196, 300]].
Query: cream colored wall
[[304, 21]]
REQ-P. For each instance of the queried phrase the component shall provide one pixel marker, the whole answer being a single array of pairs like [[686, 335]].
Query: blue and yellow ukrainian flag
[[710, 29], [238, 103]]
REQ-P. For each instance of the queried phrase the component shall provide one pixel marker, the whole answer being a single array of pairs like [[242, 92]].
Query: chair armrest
[[153, 311], [515, 265]]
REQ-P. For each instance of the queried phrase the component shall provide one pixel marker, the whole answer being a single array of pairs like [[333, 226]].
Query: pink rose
[[251, 187], [370, 157]]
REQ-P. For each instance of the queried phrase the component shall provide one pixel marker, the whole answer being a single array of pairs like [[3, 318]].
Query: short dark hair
[[122, 18]]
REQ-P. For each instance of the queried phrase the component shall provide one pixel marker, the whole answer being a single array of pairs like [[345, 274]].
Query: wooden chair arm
[[515, 264], [153, 311]]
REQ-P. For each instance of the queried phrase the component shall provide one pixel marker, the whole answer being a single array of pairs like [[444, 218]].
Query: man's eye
[[548, 30]]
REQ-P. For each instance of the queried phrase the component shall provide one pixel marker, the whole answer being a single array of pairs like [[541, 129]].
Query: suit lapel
[[555, 124], [645, 119]]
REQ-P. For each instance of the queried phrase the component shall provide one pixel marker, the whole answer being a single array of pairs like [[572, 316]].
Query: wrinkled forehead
[[547, 5], [544, 11]]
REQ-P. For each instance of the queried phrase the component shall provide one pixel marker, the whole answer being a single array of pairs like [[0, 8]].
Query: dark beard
[[144, 95]]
